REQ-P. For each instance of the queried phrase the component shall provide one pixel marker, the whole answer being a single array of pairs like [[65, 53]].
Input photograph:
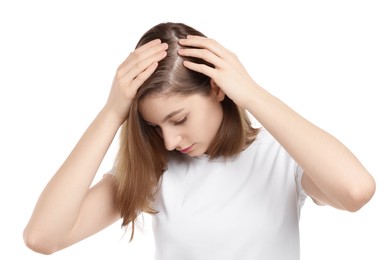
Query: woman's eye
[[181, 122]]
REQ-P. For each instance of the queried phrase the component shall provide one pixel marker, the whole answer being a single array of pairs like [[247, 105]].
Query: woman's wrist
[[110, 117]]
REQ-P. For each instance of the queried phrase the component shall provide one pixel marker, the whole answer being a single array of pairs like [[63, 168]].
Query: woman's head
[[172, 82], [204, 120]]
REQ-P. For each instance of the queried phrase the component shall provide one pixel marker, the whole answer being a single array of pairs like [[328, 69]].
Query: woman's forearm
[[59, 204], [328, 163]]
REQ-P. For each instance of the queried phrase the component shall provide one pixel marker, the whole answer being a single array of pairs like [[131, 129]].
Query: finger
[[143, 64], [204, 43], [142, 77], [143, 53], [201, 68], [144, 47], [154, 42], [148, 50], [204, 54]]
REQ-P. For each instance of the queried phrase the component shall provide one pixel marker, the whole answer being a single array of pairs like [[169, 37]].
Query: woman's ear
[[216, 91]]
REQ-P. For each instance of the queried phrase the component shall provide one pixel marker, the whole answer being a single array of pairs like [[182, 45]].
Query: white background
[[326, 59]]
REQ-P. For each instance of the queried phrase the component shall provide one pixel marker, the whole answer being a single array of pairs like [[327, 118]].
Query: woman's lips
[[186, 150]]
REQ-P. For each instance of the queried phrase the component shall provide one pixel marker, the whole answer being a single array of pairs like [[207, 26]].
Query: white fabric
[[242, 208]]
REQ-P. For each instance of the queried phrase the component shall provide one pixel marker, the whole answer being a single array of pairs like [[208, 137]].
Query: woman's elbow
[[38, 243], [361, 194]]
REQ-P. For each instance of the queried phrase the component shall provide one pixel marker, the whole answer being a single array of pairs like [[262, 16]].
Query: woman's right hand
[[131, 74]]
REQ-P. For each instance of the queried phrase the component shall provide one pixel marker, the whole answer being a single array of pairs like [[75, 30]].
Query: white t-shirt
[[245, 208]]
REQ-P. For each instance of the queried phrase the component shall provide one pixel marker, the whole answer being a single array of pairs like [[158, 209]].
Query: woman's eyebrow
[[172, 114]]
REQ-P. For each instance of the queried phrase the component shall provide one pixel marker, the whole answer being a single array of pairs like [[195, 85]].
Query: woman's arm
[[68, 210], [333, 175], [56, 221]]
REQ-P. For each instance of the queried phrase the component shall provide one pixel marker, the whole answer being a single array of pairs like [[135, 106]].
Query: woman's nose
[[171, 139]]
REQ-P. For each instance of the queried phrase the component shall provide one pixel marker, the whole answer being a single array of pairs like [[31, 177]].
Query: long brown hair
[[142, 157]]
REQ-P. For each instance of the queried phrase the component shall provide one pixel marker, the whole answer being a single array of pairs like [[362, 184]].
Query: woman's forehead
[[156, 108]]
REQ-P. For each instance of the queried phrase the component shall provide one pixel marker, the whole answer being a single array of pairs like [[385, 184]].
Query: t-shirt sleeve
[[298, 173], [286, 163]]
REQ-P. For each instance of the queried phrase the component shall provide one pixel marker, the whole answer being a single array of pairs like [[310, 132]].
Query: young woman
[[217, 187]]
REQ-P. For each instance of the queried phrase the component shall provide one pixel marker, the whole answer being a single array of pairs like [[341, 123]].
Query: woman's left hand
[[228, 72]]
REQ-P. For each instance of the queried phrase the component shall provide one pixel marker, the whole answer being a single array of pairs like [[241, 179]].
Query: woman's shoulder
[[263, 137]]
